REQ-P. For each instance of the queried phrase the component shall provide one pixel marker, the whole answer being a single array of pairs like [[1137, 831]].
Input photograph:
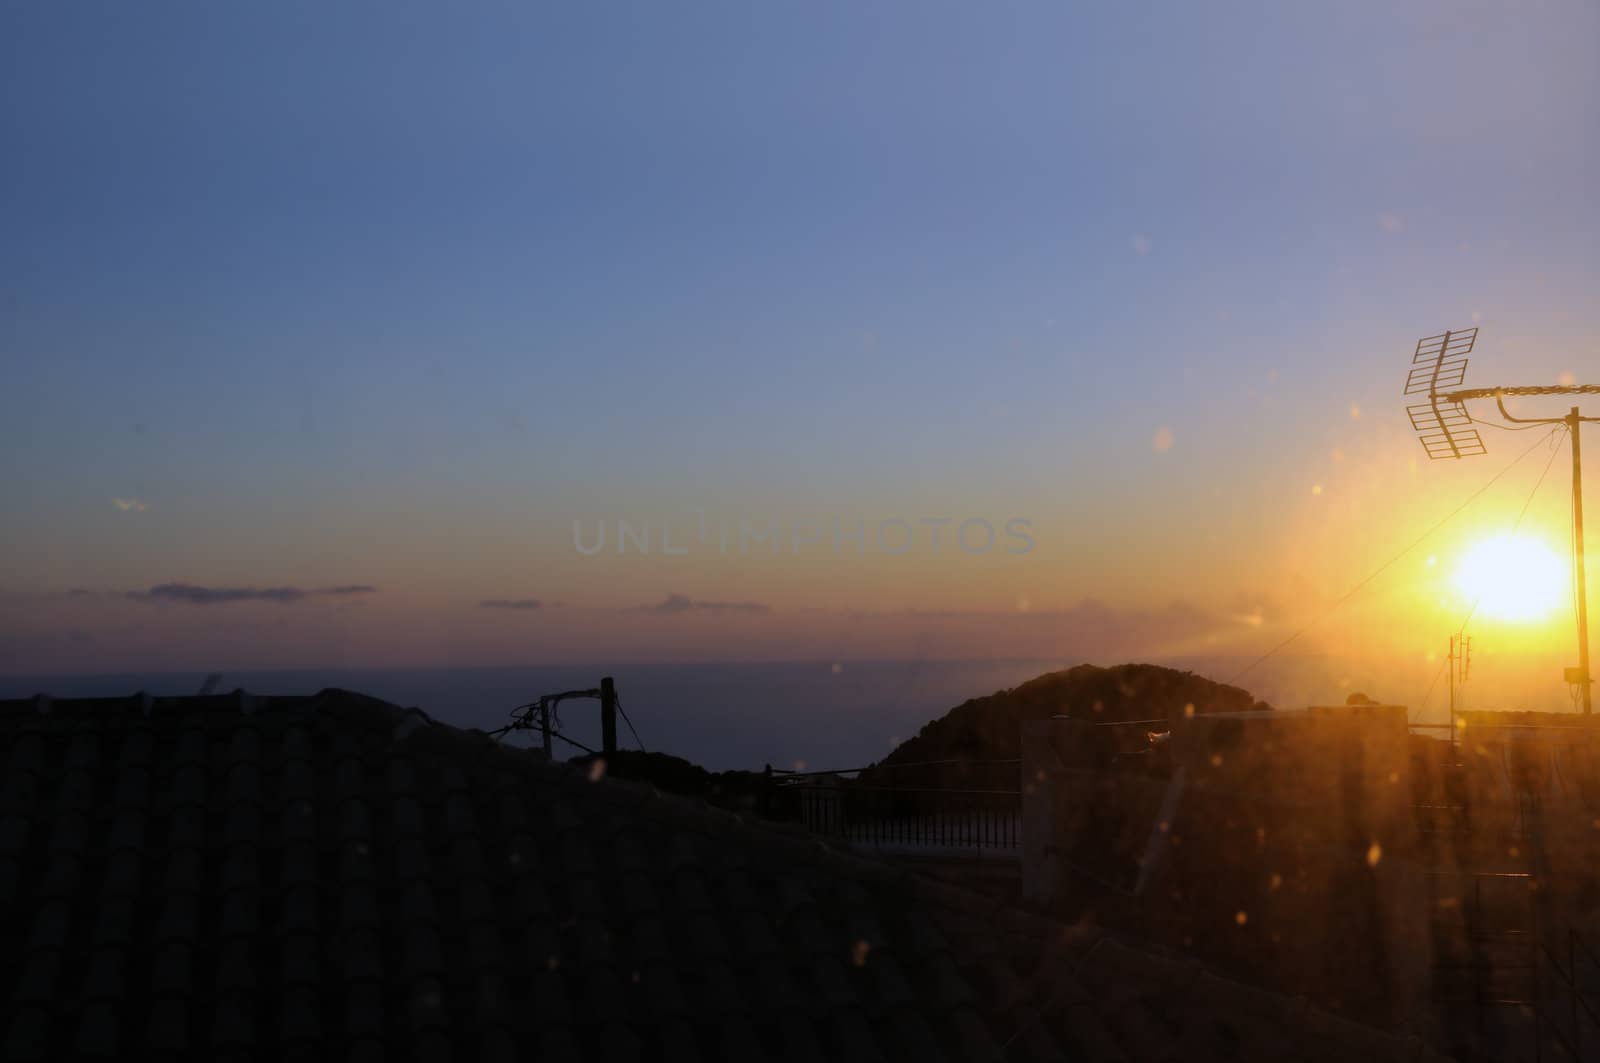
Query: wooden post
[[1574, 422], [1452, 664], [608, 716], [544, 725]]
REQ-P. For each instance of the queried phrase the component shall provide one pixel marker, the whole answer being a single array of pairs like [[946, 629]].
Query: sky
[[331, 333]]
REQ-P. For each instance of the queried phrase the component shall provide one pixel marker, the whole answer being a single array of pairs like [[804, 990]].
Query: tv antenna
[[1438, 369]]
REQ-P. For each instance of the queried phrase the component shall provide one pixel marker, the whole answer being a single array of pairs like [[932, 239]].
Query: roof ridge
[[241, 700]]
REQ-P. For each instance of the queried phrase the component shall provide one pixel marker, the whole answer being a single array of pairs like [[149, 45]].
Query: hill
[[738, 790], [988, 728], [981, 729]]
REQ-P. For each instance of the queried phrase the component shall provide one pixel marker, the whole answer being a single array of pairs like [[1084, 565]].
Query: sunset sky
[[322, 324]]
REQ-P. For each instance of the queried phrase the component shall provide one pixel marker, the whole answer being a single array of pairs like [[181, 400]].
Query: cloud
[[190, 594], [682, 603], [193, 595], [1162, 441], [129, 504], [511, 603]]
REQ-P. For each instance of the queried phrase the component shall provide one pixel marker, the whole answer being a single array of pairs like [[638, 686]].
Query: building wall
[[1279, 846]]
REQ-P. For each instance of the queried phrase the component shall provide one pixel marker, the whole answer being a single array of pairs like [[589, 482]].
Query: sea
[[799, 716], [794, 715]]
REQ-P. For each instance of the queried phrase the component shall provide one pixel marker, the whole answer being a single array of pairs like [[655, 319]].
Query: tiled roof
[[330, 877]]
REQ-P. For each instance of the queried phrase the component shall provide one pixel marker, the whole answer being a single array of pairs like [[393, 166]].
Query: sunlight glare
[[1512, 577]]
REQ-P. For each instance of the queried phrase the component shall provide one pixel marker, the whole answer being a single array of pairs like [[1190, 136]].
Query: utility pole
[[1460, 661], [1585, 680], [1451, 659], [608, 717], [1444, 427], [542, 714]]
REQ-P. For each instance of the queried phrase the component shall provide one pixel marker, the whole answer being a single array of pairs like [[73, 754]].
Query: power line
[[1572, 551], [1431, 685], [636, 741], [1504, 427], [579, 745], [1384, 567]]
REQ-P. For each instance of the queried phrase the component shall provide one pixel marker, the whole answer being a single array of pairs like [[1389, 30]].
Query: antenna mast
[[1444, 427]]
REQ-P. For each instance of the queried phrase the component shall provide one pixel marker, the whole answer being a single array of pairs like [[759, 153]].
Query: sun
[[1513, 577]]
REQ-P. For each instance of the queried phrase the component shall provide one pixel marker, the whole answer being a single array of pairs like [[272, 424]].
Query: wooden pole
[[608, 716], [1452, 661], [1584, 678], [544, 726]]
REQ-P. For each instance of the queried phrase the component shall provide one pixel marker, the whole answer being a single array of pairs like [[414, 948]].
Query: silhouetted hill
[[982, 729], [728, 789], [989, 728]]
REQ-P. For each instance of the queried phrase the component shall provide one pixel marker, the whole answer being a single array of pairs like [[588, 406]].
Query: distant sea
[[815, 715]]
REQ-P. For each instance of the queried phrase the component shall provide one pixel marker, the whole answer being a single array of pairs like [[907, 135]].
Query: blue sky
[[389, 293]]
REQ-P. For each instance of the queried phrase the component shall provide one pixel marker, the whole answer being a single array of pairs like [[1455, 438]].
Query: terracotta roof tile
[[124, 873], [245, 878], [167, 1030], [551, 1006], [300, 967], [301, 1017], [172, 976], [297, 910], [96, 1031], [476, 901], [28, 1037], [678, 1042], [466, 858], [649, 940], [41, 973], [116, 923], [236, 969], [179, 919]]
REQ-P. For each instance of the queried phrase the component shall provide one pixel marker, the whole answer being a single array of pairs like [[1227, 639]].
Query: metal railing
[[870, 810]]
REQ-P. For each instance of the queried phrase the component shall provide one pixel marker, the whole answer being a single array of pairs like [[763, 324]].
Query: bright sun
[[1512, 577]]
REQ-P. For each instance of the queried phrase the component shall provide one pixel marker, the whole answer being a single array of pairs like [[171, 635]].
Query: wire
[[1504, 427], [550, 705], [1572, 552], [579, 745], [1351, 593], [1431, 685], [618, 699], [501, 733]]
